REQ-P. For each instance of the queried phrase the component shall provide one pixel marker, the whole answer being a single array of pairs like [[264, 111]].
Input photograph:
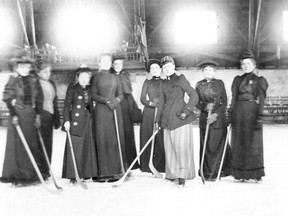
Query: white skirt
[[179, 152]]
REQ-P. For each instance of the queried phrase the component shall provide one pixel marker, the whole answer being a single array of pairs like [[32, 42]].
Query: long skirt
[[130, 147], [179, 153], [213, 153], [146, 131], [85, 154], [107, 146], [17, 166], [247, 142], [46, 131]]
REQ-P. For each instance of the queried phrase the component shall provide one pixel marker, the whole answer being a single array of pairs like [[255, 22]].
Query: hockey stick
[[32, 159], [223, 154], [204, 148], [78, 180], [118, 140], [121, 180], [151, 165], [47, 160]]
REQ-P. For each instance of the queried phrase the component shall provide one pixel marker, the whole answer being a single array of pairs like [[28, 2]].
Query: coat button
[[76, 114], [80, 97], [78, 106], [75, 123]]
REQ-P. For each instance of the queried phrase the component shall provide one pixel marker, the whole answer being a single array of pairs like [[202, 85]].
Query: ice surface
[[144, 195]]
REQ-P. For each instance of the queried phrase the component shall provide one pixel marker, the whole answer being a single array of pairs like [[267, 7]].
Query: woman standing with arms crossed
[[77, 119], [176, 117], [248, 96], [150, 100], [212, 96]]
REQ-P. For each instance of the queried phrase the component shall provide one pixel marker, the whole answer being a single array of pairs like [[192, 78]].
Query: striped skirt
[[179, 153]]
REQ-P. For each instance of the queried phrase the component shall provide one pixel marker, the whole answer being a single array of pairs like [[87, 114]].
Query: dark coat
[[217, 96], [75, 108], [172, 102], [17, 165]]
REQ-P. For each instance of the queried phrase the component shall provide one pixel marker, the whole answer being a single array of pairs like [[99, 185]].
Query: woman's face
[[45, 73], [209, 72], [23, 69], [118, 65], [105, 62], [168, 69], [248, 65], [155, 70], [84, 79]]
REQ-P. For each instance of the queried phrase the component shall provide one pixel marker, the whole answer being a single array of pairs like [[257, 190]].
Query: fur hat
[[82, 68], [118, 55]]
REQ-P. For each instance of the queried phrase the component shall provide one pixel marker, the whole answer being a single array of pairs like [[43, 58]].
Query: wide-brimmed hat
[[82, 68], [152, 61], [206, 63], [22, 56]]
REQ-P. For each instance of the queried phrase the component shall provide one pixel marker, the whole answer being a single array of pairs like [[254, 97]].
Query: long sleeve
[[221, 101], [143, 99], [193, 96], [94, 90], [234, 90], [68, 103], [162, 101], [55, 106], [9, 94], [200, 105], [262, 88]]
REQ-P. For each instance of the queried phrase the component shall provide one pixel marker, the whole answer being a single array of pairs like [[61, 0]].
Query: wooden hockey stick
[[118, 140], [47, 160], [78, 180]]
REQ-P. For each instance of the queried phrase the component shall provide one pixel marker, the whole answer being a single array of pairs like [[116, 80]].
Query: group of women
[[98, 115]]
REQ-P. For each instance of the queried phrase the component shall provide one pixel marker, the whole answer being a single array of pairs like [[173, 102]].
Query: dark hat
[[22, 56], [206, 63], [82, 68], [42, 63], [247, 54], [167, 59], [153, 61], [118, 55]]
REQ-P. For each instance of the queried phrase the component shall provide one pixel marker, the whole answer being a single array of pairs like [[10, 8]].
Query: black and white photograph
[[143, 107]]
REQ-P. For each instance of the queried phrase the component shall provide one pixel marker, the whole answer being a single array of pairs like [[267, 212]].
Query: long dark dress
[[213, 92], [126, 107], [17, 166], [151, 89], [106, 85], [248, 95], [49, 118], [77, 110]]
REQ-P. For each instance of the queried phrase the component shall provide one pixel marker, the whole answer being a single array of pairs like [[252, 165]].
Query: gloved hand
[[182, 115], [156, 126], [67, 125], [37, 121], [112, 104], [15, 120], [212, 118], [210, 106], [154, 103], [228, 119]]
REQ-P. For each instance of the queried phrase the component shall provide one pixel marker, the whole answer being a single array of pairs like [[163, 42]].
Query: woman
[[24, 103], [127, 105], [110, 143], [49, 112], [212, 96], [175, 117], [248, 96], [150, 100], [77, 119]]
